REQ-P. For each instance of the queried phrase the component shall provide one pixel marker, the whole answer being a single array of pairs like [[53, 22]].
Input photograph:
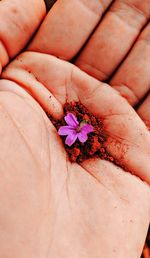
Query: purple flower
[[75, 130]]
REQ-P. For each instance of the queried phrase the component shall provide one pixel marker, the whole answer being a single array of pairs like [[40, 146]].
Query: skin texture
[[121, 40], [51, 207]]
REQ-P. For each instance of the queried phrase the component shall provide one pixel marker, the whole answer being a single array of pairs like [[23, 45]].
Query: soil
[[95, 145]]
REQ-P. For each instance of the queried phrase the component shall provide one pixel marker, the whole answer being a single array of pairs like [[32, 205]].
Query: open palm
[[58, 208]]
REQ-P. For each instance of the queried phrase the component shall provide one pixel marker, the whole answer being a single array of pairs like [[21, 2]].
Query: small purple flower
[[75, 130]]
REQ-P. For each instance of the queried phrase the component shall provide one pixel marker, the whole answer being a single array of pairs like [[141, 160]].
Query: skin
[[118, 49], [51, 207]]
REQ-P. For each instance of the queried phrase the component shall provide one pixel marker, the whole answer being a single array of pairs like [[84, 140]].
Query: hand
[[117, 51], [61, 209]]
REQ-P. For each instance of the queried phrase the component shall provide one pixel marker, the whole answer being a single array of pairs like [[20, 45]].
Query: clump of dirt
[[95, 145]]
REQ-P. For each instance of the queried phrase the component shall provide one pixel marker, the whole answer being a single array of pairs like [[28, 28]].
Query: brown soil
[[95, 145]]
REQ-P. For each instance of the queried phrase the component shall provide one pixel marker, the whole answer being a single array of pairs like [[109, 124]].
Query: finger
[[128, 137], [144, 111], [67, 26], [19, 20], [114, 37], [25, 71], [132, 79], [48, 75], [38, 91]]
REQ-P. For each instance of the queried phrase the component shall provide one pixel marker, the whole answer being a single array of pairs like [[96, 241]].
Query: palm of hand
[[73, 203]]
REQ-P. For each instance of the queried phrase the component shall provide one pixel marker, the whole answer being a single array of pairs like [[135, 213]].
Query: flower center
[[79, 128]]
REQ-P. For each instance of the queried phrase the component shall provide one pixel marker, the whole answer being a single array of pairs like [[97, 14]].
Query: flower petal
[[87, 128], [71, 138], [71, 120], [65, 130], [82, 137]]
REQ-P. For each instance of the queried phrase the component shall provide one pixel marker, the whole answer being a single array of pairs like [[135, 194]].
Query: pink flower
[[75, 130]]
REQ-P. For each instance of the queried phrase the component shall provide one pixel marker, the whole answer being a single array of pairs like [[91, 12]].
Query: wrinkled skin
[[49, 206]]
